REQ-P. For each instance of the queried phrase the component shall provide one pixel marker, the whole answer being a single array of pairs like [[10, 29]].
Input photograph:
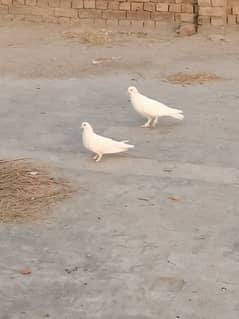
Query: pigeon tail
[[177, 116], [130, 146], [126, 146]]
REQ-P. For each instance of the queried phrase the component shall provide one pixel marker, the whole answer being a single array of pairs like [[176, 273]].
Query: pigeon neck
[[89, 130], [133, 96]]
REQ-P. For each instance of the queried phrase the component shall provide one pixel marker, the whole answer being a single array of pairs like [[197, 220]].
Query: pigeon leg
[[99, 157], [147, 124], [155, 121], [95, 156]]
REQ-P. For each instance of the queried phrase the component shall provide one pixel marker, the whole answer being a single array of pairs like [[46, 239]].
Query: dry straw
[[26, 191], [190, 79]]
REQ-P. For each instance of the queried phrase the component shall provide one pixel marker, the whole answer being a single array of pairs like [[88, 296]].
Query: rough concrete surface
[[121, 248]]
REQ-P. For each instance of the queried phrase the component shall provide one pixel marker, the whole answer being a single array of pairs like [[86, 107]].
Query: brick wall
[[233, 12], [218, 12], [125, 13], [211, 12]]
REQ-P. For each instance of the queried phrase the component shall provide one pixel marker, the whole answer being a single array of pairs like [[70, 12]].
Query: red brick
[[187, 17], [138, 15], [112, 22], [3, 11], [113, 5], [125, 6], [77, 4], [31, 2], [101, 4], [8, 17], [89, 4], [203, 20], [65, 4], [136, 6], [177, 17], [75, 20], [89, 13], [163, 21], [20, 10], [162, 7], [42, 11], [63, 20], [100, 22], [111, 14], [124, 23], [31, 18], [162, 16], [149, 6], [188, 1], [19, 17], [211, 11], [228, 10], [8, 2], [50, 19], [42, 3], [54, 3], [18, 2], [87, 22], [148, 24], [218, 3], [235, 10], [137, 25], [231, 19], [187, 8], [68, 13], [175, 7], [217, 21], [204, 3]]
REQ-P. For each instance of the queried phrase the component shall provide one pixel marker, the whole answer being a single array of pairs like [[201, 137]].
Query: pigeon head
[[132, 90], [86, 126]]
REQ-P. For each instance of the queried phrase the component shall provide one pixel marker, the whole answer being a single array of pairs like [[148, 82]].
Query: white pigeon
[[150, 108], [101, 145]]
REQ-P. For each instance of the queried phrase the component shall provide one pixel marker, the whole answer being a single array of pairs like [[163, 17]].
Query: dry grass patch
[[190, 79], [26, 191], [99, 37]]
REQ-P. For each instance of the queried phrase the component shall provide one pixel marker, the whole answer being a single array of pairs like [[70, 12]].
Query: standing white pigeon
[[101, 145], [150, 108]]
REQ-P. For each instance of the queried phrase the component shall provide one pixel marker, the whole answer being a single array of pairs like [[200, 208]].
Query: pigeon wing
[[105, 145]]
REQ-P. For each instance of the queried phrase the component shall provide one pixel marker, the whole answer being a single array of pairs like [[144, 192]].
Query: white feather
[[101, 145], [150, 108]]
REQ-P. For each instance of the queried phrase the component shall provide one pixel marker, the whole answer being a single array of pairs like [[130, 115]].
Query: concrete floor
[[121, 248]]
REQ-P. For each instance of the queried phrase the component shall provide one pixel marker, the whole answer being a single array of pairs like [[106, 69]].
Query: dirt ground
[[152, 233]]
